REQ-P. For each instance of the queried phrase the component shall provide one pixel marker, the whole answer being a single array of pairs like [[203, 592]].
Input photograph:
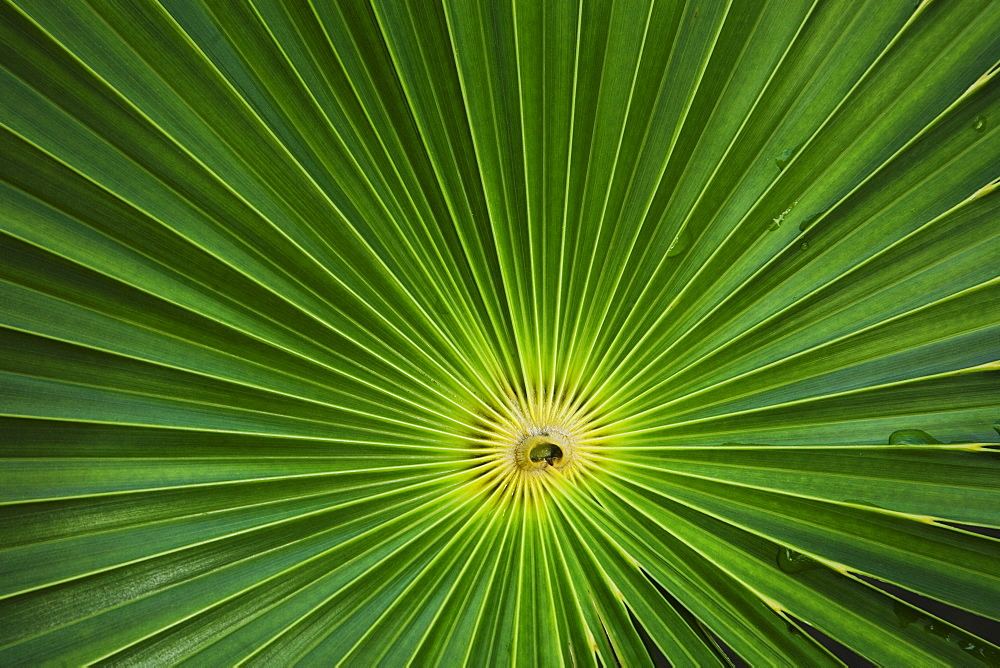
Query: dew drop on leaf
[[776, 222], [979, 123], [785, 157], [908, 615], [905, 613], [680, 243], [791, 561], [808, 220], [912, 437], [793, 629]]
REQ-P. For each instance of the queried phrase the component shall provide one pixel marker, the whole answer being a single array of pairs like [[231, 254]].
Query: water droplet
[[979, 123], [909, 615], [776, 223], [785, 157], [805, 245], [791, 561], [912, 437], [906, 614], [989, 655], [958, 638], [680, 243], [808, 220], [793, 629]]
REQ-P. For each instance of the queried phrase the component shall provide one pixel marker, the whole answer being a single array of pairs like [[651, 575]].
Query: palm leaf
[[500, 333]]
